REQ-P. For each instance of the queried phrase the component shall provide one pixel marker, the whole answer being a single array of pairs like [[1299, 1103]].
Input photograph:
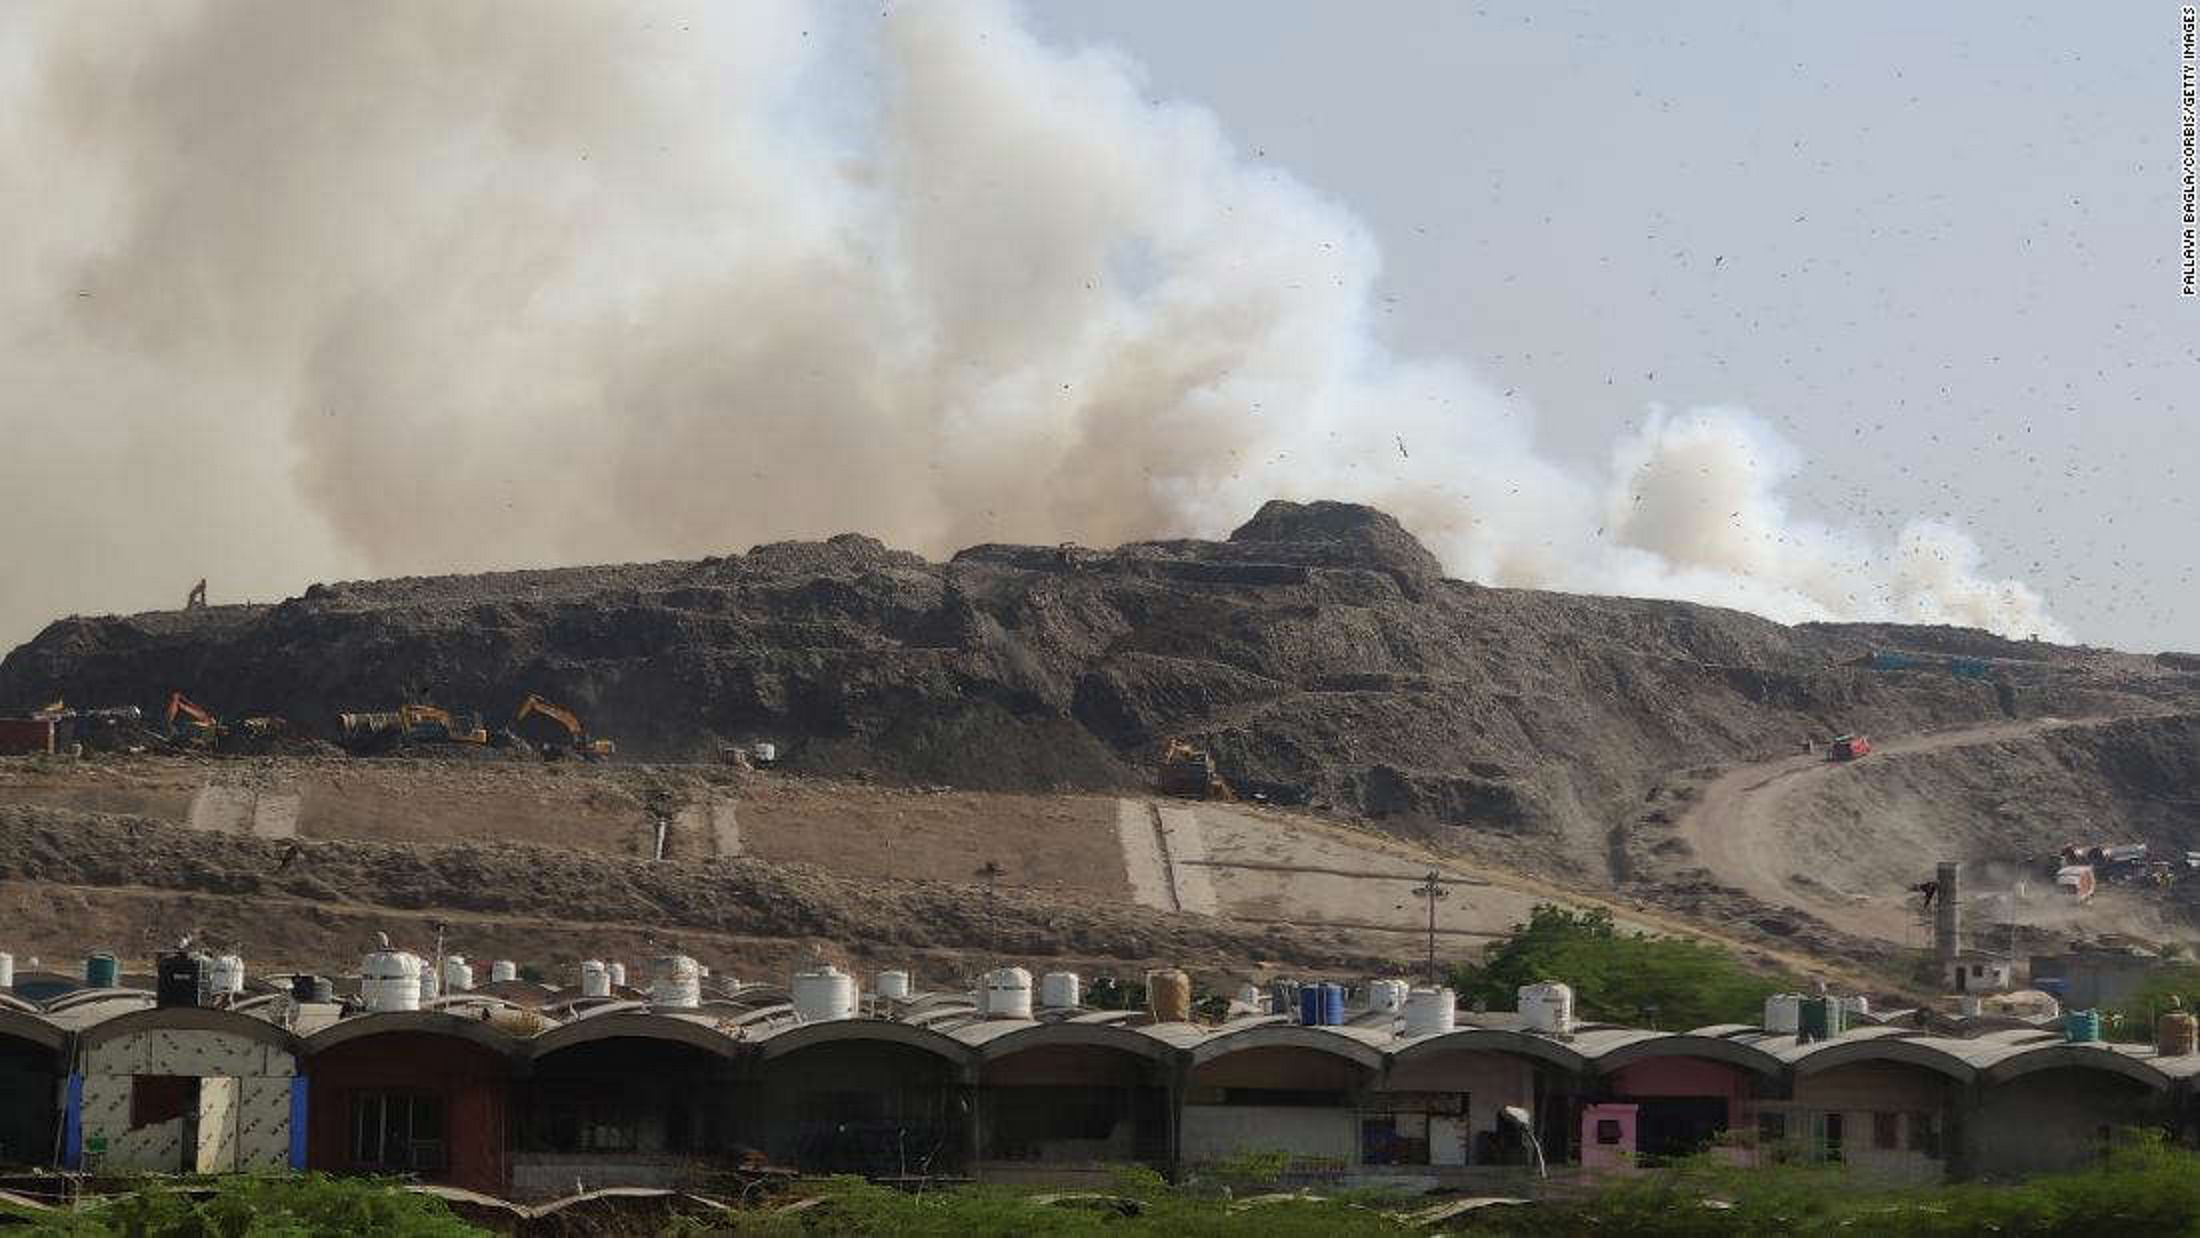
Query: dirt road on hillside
[[1738, 833]]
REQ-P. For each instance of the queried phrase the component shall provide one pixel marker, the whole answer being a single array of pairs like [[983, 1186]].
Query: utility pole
[[1432, 889], [993, 872]]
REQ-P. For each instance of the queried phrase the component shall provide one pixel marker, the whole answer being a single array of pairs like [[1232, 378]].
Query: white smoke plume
[[306, 291]]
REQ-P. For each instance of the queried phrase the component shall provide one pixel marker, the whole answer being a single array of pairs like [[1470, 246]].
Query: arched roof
[[1086, 1035], [31, 1027], [190, 1019], [1825, 1055], [632, 1024], [781, 1042], [1493, 1040], [428, 1022], [1684, 1044], [2056, 1054], [1288, 1036]]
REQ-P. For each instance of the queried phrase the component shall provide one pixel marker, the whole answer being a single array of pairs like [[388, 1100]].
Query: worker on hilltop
[[197, 598]]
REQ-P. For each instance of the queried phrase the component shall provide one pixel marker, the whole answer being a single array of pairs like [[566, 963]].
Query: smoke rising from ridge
[[422, 288]]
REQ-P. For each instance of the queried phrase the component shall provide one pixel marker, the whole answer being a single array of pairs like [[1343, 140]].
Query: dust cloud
[[306, 291]]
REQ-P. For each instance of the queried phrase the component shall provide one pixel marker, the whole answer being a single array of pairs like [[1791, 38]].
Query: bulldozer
[[1190, 772], [569, 735]]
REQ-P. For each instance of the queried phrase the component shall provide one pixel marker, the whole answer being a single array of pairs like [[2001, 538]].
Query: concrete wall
[[1315, 1138], [1920, 1104], [472, 1082], [2053, 1120], [1656, 1077], [1491, 1082], [240, 1124]]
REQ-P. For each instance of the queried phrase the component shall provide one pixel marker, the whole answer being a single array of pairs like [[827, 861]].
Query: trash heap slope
[[1318, 652]]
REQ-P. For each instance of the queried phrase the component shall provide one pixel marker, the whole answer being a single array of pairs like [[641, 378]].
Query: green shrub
[[256, 1206], [1631, 978]]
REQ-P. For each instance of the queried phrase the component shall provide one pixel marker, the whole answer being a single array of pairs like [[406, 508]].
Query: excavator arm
[[576, 735]]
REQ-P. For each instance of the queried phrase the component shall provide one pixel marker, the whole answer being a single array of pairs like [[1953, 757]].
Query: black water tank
[[180, 980], [312, 989]]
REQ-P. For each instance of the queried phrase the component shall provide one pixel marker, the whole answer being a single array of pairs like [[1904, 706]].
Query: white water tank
[[431, 985], [1387, 996], [1250, 997], [894, 984], [458, 975], [390, 980], [616, 972], [679, 983], [1006, 993], [503, 969], [1857, 1005], [7, 970], [764, 751], [1429, 1011], [595, 978], [1784, 1014], [823, 994], [225, 975], [1547, 1007], [1061, 990]]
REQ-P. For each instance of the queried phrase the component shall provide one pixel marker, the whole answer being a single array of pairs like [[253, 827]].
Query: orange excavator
[[570, 735], [199, 726]]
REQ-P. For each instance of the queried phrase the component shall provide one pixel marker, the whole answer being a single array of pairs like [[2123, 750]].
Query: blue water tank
[[1332, 1005], [2082, 1026], [1310, 1005], [102, 972]]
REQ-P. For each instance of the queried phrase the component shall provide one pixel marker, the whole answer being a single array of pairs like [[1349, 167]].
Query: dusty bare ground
[[1839, 845], [71, 881]]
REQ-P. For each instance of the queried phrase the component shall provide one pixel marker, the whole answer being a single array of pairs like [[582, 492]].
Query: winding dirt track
[[1736, 828]]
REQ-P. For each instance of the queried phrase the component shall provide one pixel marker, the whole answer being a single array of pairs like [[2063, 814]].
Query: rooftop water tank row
[[1169, 995], [1321, 1005], [1547, 1007], [2176, 1033], [390, 980], [2082, 1027], [225, 977], [1430, 1011], [595, 978], [1005, 993], [101, 971], [1061, 990], [824, 994], [1782, 1013], [679, 983]]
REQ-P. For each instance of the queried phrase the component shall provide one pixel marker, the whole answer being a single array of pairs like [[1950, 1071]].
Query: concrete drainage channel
[[1164, 856], [229, 809]]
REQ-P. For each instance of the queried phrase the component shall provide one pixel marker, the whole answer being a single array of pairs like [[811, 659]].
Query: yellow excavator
[[419, 724], [575, 736], [1190, 772]]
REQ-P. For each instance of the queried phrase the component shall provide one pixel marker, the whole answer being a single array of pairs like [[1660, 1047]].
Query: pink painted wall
[[1684, 1076], [1596, 1155]]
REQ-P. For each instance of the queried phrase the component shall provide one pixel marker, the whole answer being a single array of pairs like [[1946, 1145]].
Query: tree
[[1631, 978]]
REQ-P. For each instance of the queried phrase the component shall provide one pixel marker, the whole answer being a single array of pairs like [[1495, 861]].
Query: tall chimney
[[1947, 916]]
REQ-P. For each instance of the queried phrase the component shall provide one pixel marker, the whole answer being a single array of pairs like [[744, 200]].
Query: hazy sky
[[1935, 244], [1824, 311]]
